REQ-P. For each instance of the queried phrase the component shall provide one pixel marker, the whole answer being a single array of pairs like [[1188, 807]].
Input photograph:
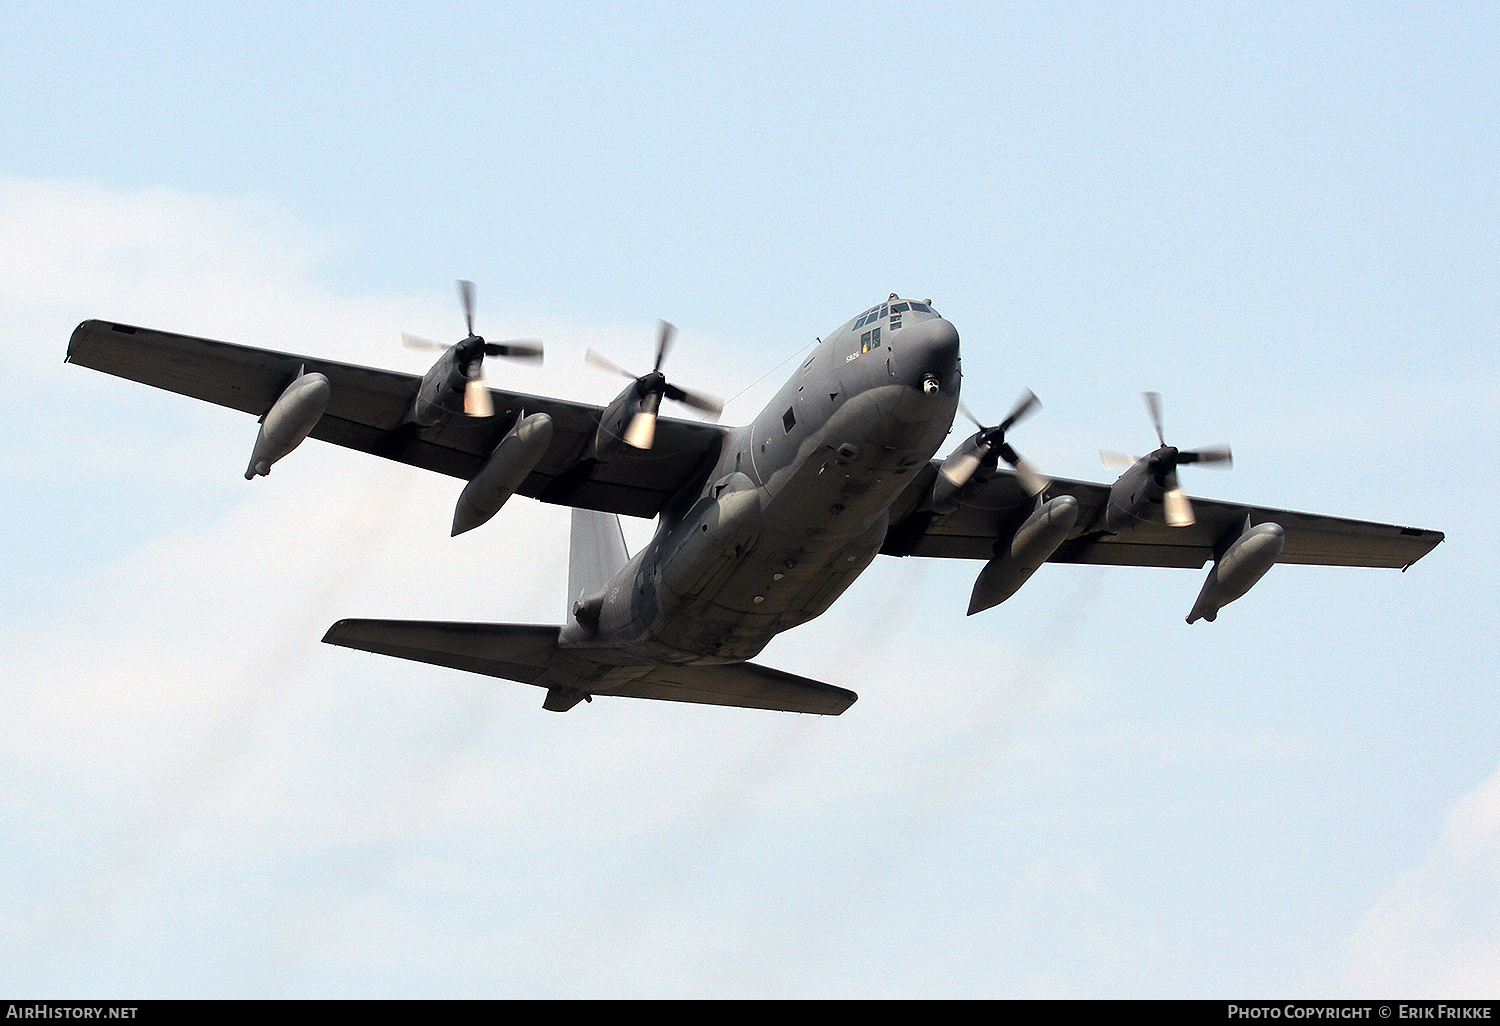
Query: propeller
[[1163, 464], [989, 446], [470, 354], [653, 388]]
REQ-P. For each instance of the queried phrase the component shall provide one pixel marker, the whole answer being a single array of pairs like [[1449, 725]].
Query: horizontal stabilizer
[[528, 653]]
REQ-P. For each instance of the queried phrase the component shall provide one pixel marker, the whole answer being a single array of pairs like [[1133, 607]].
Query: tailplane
[[528, 653]]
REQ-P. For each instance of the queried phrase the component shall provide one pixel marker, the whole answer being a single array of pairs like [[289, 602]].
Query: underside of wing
[[368, 410], [528, 653], [996, 508]]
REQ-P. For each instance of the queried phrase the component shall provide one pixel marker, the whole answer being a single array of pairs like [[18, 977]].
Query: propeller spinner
[[470, 353], [988, 447], [653, 388], [1163, 463]]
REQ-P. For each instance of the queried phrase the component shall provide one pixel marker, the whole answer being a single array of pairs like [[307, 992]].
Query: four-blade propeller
[[989, 446], [653, 388], [470, 354], [1163, 464]]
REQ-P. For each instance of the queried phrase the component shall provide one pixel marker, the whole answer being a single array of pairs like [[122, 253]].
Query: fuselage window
[[788, 420], [869, 340], [899, 308]]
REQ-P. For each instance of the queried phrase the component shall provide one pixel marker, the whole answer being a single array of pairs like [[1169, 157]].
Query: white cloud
[[1436, 932]]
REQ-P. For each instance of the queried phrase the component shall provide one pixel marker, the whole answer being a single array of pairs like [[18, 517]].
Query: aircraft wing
[[367, 411], [999, 505]]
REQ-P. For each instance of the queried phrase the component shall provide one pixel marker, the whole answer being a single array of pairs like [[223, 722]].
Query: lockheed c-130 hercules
[[759, 527]]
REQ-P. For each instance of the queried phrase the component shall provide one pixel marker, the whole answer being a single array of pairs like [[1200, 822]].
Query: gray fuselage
[[797, 503]]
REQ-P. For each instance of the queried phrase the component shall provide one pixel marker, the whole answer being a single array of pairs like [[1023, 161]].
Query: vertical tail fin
[[596, 553]]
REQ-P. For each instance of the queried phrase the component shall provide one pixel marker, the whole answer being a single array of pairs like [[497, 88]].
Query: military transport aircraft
[[760, 527]]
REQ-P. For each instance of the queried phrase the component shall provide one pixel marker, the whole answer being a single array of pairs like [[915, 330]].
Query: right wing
[[368, 411], [996, 506]]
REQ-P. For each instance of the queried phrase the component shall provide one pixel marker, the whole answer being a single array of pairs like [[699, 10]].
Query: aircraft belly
[[785, 578], [751, 561]]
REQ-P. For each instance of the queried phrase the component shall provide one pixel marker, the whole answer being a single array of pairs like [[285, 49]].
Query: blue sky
[[1280, 216]]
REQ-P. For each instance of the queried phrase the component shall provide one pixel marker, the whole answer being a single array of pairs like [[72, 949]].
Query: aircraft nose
[[933, 350]]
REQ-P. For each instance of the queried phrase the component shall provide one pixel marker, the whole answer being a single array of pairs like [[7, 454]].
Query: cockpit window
[[889, 309]]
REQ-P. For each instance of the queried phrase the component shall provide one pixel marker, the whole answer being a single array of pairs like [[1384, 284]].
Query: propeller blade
[[466, 296], [528, 350], [417, 342], [1033, 480], [1178, 509], [664, 334], [957, 470], [1153, 404], [593, 359], [1024, 406], [641, 433], [477, 401], [1214, 454], [701, 401], [1117, 460]]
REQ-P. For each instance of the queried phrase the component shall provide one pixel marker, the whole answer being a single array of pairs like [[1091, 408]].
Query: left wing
[[368, 409], [998, 505]]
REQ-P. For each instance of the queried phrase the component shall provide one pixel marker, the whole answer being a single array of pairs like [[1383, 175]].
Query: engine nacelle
[[1029, 548], [614, 424], [441, 394], [513, 459], [944, 494], [288, 422], [1235, 572]]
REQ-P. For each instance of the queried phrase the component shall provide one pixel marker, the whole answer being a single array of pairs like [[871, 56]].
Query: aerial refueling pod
[[1236, 571], [1029, 548], [513, 459], [288, 422]]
